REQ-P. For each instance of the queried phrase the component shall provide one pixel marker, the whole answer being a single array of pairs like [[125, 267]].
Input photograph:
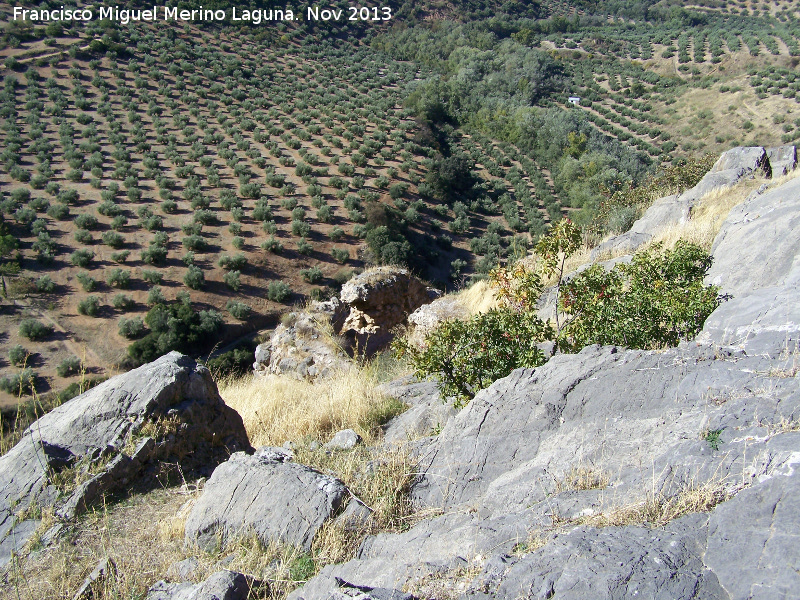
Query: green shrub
[[34, 330], [271, 244], [88, 283], [340, 255], [176, 326], [19, 384], [122, 302], [312, 275], [155, 296], [18, 356], [154, 255], [120, 257], [278, 291], [69, 366], [194, 278], [195, 243], [59, 212], [83, 237], [81, 258], [85, 221], [231, 279], [238, 310], [233, 263], [112, 239], [131, 328], [304, 246], [152, 277], [118, 278], [89, 306], [656, 300], [45, 285]]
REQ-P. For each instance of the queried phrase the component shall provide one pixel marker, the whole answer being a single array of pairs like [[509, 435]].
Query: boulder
[[782, 159], [319, 341], [427, 413], [304, 346], [168, 410], [379, 299], [428, 316], [222, 585], [346, 439], [265, 494]]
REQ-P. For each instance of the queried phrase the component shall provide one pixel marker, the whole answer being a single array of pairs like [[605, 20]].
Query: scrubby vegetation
[[655, 301]]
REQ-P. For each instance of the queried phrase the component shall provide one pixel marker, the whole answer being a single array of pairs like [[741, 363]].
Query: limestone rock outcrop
[[266, 494], [320, 340], [732, 166], [550, 480], [101, 441]]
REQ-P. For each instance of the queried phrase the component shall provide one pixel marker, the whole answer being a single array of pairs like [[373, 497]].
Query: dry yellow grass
[[478, 298], [657, 510], [277, 409]]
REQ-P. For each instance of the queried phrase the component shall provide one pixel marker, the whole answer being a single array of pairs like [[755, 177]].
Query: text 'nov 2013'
[[170, 13]]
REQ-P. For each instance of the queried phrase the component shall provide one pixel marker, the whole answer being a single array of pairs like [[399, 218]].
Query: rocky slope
[[610, 473], [578, 455]]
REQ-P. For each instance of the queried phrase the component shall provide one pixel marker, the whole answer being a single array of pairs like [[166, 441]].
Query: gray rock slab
[[222, 585], [345, 439], [748, 158], [731, 167], [98, 424], [266, 495], [754, 539], [758, 245], [782, 159], [610, 563]]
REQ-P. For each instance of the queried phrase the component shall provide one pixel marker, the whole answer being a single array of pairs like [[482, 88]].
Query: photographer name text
[[169, 13]]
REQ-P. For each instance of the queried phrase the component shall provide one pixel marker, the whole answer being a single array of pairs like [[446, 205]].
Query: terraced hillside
[[220, 172]]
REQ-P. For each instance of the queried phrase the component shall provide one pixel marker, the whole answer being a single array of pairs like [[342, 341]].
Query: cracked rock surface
[[266, 494], [617, 473]]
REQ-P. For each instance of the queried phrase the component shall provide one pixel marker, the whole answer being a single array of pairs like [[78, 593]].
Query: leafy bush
[[278, 291], [469, 355], [271, 244], [122, 302], [194, 278], [235, 363], [238, 310], [658, 299], [45, 285], [340, 255], [155, 296], [120, 257], [88, 283], [112, 239], [131, 328], [19, 384], [234, 263], [177, 326], [154, 255], [18, 356], [152, 277], [231, 279], [69, 366], [89, 306], [34, 330], [118, 278], [312, 275], [81, 258]]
